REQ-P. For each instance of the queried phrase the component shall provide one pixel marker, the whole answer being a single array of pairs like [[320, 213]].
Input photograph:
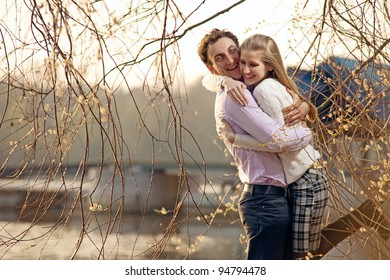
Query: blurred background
[[108, 146]]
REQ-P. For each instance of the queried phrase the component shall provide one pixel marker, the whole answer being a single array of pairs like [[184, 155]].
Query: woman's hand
[[296, 112], [225, 131], [235, 89]]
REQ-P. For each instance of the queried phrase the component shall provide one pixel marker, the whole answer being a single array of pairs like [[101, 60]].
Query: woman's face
[[252, 68]]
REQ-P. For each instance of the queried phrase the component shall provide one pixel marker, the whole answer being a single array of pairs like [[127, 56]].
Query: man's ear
[[211, 69]]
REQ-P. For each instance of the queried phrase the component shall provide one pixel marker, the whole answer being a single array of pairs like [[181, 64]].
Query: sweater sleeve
[[213, 82]]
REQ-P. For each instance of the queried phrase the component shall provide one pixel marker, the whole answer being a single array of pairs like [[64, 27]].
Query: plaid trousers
[[309, 196]]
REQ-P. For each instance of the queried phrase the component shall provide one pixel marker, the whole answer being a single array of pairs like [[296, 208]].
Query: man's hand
[[235, 89], [225, 131], [296, 112]]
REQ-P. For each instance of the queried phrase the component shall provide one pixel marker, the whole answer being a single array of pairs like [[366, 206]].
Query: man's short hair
[[210, 39]]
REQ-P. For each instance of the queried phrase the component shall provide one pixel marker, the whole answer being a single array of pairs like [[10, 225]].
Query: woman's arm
[[293, 114], [235, 89], [213, 82]]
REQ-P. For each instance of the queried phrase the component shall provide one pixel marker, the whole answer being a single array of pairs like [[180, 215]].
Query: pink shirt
[[259, 167]]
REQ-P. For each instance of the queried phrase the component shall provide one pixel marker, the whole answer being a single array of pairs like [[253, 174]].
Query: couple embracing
[[262, 120]]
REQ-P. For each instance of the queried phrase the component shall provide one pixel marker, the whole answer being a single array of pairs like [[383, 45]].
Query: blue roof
[[335, 74]]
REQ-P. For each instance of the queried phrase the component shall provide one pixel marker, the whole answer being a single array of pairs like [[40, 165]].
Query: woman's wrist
[[223, 82]]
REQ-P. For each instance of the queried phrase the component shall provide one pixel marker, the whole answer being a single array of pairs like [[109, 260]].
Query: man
[[263, 207]]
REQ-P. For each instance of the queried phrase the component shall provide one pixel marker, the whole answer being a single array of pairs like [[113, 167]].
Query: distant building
[[361, 84]]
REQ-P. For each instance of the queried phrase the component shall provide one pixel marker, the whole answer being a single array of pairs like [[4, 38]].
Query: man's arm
[[244, 141], [257, 123], [295, 112]]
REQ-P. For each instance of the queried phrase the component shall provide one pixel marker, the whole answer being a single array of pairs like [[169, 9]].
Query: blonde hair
[[270, 56]]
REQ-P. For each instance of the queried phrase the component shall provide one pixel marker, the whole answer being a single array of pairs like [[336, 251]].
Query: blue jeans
[[266, 220]]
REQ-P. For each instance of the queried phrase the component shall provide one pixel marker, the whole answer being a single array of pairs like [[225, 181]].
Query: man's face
[[224, 56]]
